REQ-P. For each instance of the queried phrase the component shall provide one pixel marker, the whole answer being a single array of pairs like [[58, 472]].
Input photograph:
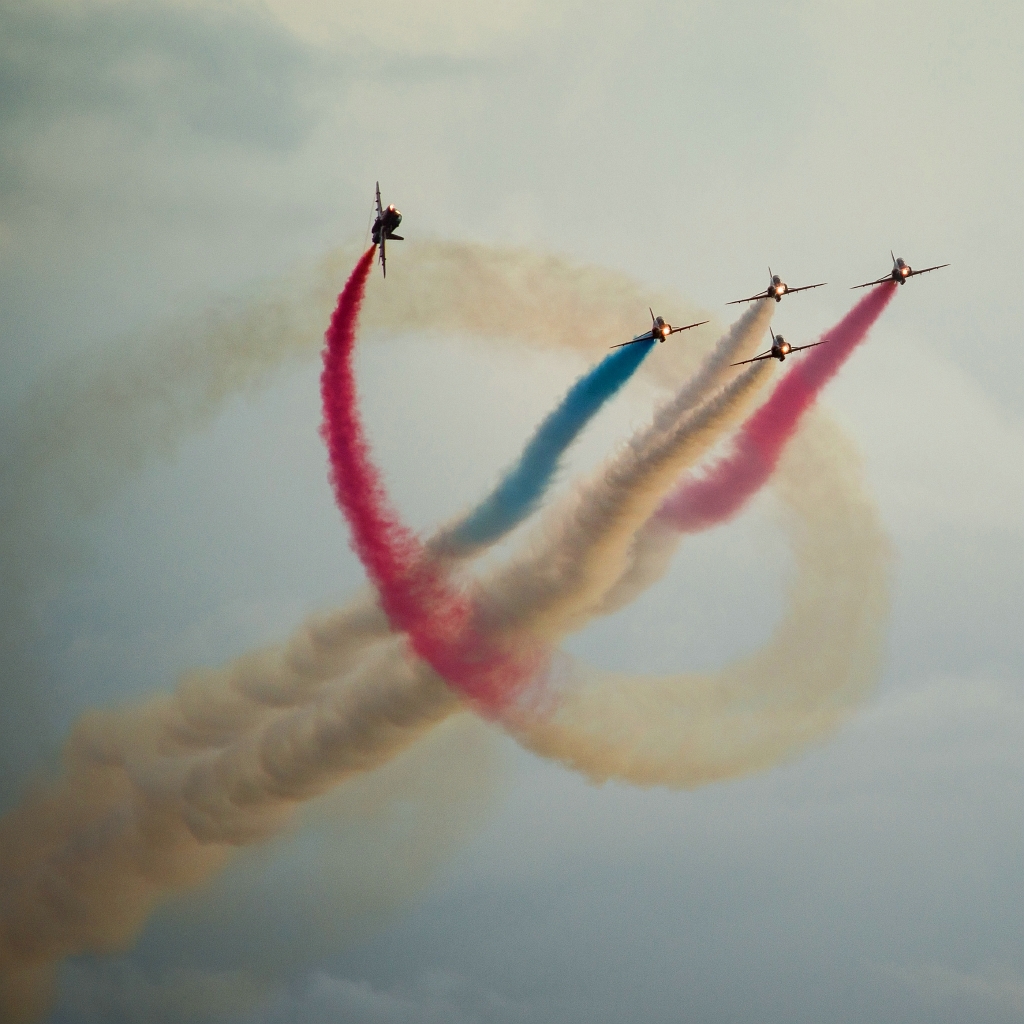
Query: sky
[[168, 166]]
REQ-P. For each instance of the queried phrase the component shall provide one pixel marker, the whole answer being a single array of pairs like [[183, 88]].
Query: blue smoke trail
[[519, 492]]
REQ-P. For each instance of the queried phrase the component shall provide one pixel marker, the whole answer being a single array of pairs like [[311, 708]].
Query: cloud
[[998, 986], [406, 27], [96, 992], [100, 992], [434, 998], [134, 136], [218, 72], [437, 27]]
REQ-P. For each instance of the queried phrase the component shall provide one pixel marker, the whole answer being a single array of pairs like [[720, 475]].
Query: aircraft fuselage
[[901, 271], [386, 224]]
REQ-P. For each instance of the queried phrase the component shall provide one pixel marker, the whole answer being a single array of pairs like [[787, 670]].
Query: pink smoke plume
[[700, 502], [415, 592]]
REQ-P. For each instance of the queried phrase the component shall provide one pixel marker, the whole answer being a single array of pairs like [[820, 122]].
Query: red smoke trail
[[414, 593], [699, 503]]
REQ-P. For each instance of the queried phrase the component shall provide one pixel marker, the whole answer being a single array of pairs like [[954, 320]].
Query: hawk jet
[[901, 270], [779, 350], [388, 218], [659, 331], [776, 289]]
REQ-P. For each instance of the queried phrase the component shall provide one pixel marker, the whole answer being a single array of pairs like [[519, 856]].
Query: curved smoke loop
[[154, 799]]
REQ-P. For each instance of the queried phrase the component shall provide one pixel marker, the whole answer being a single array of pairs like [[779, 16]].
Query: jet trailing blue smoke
[[520, 490]]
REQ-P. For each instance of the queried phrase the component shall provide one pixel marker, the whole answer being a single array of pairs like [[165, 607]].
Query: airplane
[[659, 330], [388, 218], [780, 349], [776, 289], [900, 272]]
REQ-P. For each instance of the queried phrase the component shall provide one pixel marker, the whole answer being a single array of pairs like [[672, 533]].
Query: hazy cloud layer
[[433, 999]]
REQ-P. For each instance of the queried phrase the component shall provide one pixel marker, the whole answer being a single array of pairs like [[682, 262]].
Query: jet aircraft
[[776, 289], [659, 331], [779, 350], [388, 218], [900, 272]]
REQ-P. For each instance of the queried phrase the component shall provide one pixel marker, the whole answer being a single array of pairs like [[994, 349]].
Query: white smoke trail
[[257, 688], [129, 776], [223, 790], [654, 545], [738, 343], [92, 422], [718, 725], [153, 799], [212, 707], [85, 861], [158, 820]]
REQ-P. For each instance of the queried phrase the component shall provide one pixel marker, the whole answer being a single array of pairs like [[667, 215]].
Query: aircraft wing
[[914, 273], [676, 330], [380, 208], [881, 280], [813, 344], [753, 298], [649, 336], [804, 288], [756, 359], [383, 257]]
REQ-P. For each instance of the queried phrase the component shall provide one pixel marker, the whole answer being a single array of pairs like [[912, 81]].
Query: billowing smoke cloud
[[96, 419], [209, 708], [85, 861], [152, 801], [145, 776]]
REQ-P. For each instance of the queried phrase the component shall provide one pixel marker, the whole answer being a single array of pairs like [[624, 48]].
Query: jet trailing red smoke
[[701, 502], [416, 594]]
